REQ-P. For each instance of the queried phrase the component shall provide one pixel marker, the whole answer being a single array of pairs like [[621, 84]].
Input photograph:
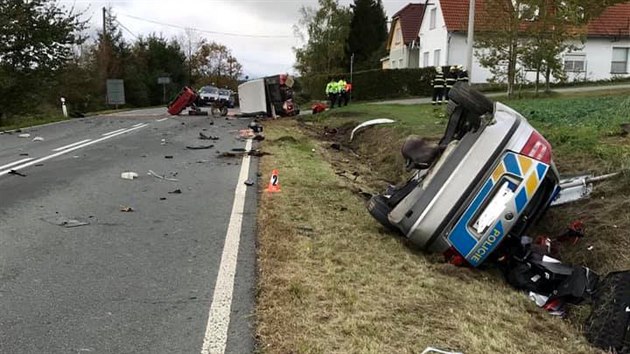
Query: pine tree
[[368, 34]]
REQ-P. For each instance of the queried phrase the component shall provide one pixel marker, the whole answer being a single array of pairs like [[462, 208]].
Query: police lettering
[[487, 246]]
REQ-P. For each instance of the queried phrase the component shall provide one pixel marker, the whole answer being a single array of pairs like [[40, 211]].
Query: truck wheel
[[471, 99], [377, 206]]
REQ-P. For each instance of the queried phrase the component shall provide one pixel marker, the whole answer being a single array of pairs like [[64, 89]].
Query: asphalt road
[[127, 282]]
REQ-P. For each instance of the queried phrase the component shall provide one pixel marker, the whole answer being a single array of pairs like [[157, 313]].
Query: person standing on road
[[462, 75], [343, 94], [438, 86], [330, 92], [451, 79]]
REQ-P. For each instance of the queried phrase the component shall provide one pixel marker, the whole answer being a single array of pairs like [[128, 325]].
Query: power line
[[127, 29], [203, 30]]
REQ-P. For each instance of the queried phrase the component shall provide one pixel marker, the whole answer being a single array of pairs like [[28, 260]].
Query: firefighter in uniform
[[451, 79], [462, 75], [348, 93], [438, 86]]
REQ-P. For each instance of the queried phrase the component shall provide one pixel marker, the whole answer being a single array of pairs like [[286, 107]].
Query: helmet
[[438, 69], [460, 67], [453, 68]]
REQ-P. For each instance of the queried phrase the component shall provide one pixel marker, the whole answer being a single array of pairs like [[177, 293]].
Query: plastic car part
[[370, 123]]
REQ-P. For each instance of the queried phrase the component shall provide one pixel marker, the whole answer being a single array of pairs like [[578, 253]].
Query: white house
[[604, 55], [402, 43]]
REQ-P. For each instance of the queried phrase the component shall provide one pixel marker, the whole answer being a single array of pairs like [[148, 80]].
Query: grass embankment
[[29, 121], [333, 281]]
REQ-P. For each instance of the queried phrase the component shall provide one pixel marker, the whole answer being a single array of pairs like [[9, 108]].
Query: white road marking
[[45, 158], [114, 132], [136, 125], [16, 163], [161, 120], [215, 339], [71, 145]]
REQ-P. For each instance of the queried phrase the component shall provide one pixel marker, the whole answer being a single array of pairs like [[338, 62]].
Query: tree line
[[45, 54]]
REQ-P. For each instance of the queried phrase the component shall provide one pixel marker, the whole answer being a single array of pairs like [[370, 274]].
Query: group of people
[[338, 92], [442, 83]]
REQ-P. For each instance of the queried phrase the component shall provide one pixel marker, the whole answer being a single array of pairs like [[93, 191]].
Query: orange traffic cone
[[274, 183]]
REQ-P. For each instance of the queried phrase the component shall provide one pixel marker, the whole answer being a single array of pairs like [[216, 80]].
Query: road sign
[[164, 80], [115, 92]]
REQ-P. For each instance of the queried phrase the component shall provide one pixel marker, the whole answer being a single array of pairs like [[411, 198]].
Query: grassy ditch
[[333, 281], [29, 121]]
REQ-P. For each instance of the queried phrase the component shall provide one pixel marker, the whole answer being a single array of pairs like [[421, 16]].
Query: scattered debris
[[39, 165], [168, 156], [434, 350], [202, 147], [256, 127], [151, 173], [335, 146], [257, 153], [25, 135], [128, 175], [239, 149], [203, 136], [163, 142], [162, 198], [38, 138], [249, 183], [370, 123], [24, 154], [16, 173], [625, 128], [259, 137], [65, 222], [318, 107], [246, 133], [177, 191], [126, 209]]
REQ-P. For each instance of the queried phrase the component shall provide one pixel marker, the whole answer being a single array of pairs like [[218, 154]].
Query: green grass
[[331, 280], [29, 121]]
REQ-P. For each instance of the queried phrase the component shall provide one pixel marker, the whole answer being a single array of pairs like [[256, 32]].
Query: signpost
[[115, 92], [164, 80]]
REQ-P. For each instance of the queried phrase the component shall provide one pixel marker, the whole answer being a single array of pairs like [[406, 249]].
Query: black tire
[[377, 206], [471, 99]]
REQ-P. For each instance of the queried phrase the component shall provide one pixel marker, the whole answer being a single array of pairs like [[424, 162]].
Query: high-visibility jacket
[[330, 88], [348, 87], [438, 81], [341, 84]]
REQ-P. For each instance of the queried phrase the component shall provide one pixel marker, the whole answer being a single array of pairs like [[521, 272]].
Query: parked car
[[208, 94], [490, 178]]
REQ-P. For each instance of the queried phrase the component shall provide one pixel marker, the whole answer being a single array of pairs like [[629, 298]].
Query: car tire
[[377, 206], [471, 99]]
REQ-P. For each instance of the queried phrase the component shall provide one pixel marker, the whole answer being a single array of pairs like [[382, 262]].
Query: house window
[[400, 63], [574, 63], [398, 36], [432, 18], [425, 59], [436, 57], [619, 61]]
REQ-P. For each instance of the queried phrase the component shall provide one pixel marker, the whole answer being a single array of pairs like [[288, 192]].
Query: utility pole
[[104, 21], [351, 70], [471, 38]]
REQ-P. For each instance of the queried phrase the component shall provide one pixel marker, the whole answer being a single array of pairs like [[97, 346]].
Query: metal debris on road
[[24, 154], [16, 173], [128, 175], [65, 222], [38, 138], [168, 156], [202, 147], [151, 173], [163, 142], [177, 191], [239, 149], [249, 183], [25, 135], [126, 209], [203, 136]]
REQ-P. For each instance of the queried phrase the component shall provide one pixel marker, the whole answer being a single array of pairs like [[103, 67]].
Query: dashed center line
[[114, 132], [161, 120], [71, 145]]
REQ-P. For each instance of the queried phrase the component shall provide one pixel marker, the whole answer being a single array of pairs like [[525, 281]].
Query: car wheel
[[471, 99], [377, 206]]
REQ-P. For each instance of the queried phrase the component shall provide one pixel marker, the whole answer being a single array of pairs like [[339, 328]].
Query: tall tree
[[37, 38], [325, 32], [214, 64], [368, 34]]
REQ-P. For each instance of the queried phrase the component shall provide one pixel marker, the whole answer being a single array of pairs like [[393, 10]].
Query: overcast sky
[[259, 55]]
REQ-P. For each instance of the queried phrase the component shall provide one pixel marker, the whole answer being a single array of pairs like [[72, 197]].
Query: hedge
[[373, 84]]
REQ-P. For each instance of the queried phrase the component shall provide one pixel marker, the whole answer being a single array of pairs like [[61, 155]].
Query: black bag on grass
[[609, 323]]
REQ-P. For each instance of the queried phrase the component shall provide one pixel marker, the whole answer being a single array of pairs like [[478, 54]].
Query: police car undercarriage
[[474, 196]]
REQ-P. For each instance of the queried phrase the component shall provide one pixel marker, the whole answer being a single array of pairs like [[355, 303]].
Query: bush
[[374, 84]]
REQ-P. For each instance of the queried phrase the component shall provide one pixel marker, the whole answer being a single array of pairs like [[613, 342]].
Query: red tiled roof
[[410, 18], [614, 21]]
